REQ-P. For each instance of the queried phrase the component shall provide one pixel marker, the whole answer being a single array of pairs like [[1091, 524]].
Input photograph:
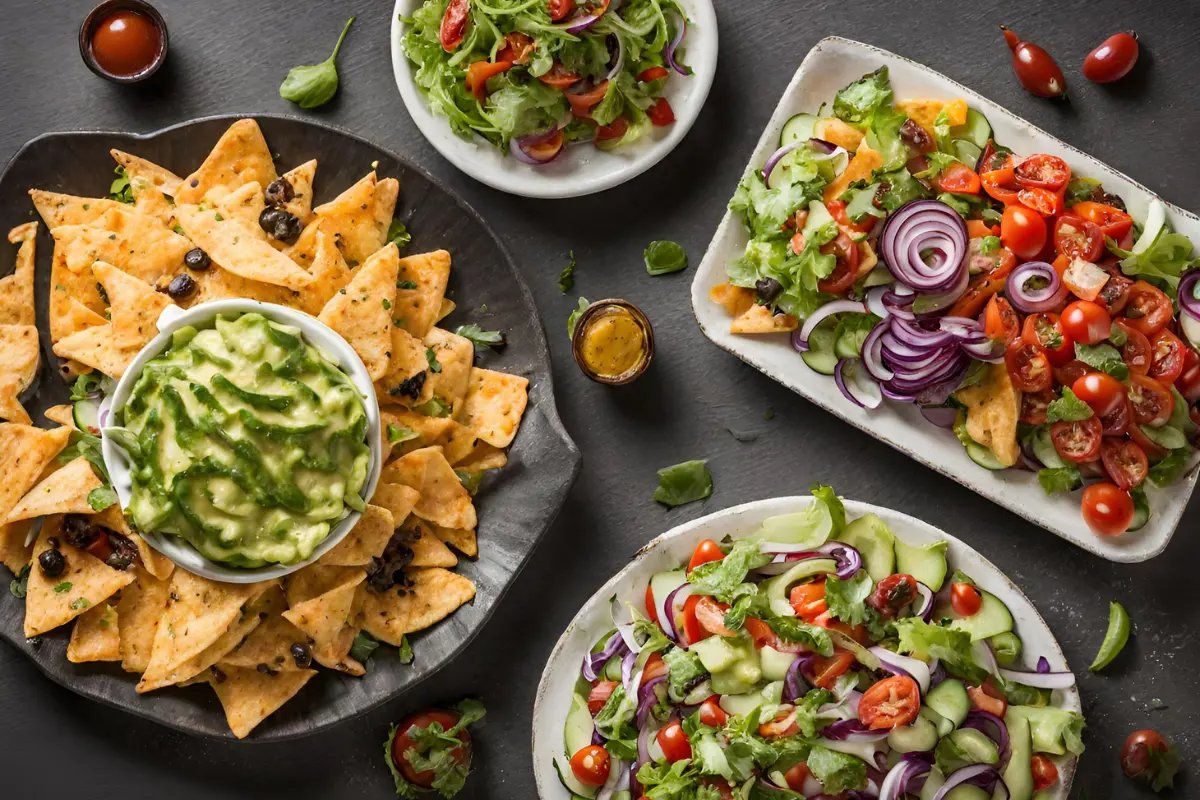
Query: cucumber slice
[[777, 588], [1156, 219], [949, 699], [1043, 449], [965, 791], [661, 586], [1018, 775], [824, 362], [86, 414], [992, 618], [984, 457], [775, 665], [797, 129], [740, 705], [870, 536], [612, 669], [976, 745], [1141, 505], [715, 653], [880, 276], [577, 733], [926, 564], [967, 152], [943, 725], [565, 774], [920, 736], [932, 784], [976, 130], [728, 683]]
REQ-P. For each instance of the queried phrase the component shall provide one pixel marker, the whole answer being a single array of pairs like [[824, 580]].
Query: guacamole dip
[[245, 441]]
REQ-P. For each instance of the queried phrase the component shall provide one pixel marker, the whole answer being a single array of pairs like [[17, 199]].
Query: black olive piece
[[53, 542], [267, 219], [411, 387], [52, 563], [266, 670], [197, 259], [302, 655], [917, 137], [181, 286], [79, 532], [279, 191], [124, 551], [767, 289], [280, 224]]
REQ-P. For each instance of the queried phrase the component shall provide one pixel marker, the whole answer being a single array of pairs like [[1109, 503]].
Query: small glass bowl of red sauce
[[124, 41]]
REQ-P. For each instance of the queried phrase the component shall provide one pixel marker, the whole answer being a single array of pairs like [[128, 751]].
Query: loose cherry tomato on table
[[711, 616], [1101, 391], [1125, 462], [1028, 367], [965, 599], [1076, 237], [1167, 354], [1043, 201], [1047, 332], [403, 742], [893, 594], [454, 24], [1136, 352], [560, 9], [1113, 59], [986, 698], [1152, 402], [711, 713], [1035, 68], [661, 113], [1078, 441], [598, 696], [1146, 754], [706, 551], [1149, 309], [826, 671], [1034, 406], [1023, 231], [1113, 222], [845, 273], [1086, 322], [796, 776], [958, 178], [1042, 171], [890, 703], [1000, 322], [1045, 774], [1107, 509], [808, 600], [591, 765], [674, 742]]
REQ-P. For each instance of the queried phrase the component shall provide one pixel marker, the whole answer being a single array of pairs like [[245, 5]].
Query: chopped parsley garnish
[[119, 189], [65, 586], [435, 366], [566, 279], [20, 584], [406, 652], [398, 234], [683, 483], [399, 433], [364, 646], [406, 284], [479, 337]]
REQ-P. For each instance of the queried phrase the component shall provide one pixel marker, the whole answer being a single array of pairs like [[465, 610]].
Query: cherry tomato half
[[1116, 422], [651, 612], [1149, 309], [965, 599], [1188, 382], [560, 9], [826, 671], [403, 742], [1046, 330], [706, 551], [1115, 293], [1000, 321], [837, 209], [808, 600], [1045, 774], [591, 765], [1043, 201], [559, 77], [1077, 441], [1034, 406], [1101, 391], [1086, 322], [958, 178], [653, 74], [1028, 367], [845, 273], [1075, 237], [1113, 59], [1000, 184], [1107, 509], [711, 713], [1167, 353], [1042, 171], [1136, 352], [454, 24], [1125, 462], [711, 616], [1113, 222], [1023, 231], [1152, 402], [1136, 752], [583, 102], [1070, 372], [674, 742], [890, 703], [796, 776]]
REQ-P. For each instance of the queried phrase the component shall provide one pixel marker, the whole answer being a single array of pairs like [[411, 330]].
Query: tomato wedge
[[559, 77], [454, 24], [1043, 201], [653, 74], [1125, 462], [958, 178], [1028, 367], [711, 616], [1152, 402], [1078, 441], [1042, 171], [582, 102], [827, 670], [1136, 352], [1000, 321], [478, 74], [517, 48], [660, 113], [560, 9], [1075, 237], [890, 703], [612, 131], [1000, 184], [1113, 222]]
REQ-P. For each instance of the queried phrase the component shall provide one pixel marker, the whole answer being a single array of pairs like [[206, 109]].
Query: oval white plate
[[830, 65], [673, 548], [582, 169]]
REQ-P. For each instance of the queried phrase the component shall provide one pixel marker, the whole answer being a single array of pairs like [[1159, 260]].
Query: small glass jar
[[613, 342]]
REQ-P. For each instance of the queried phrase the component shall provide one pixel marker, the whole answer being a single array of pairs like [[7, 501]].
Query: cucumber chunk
[[984, 457], [1018, 774], [562, 766], [920, 736], [86, 414], [797, 129], [992, 618], [926, 564], [579, 727], [874, 541], [949, 699], [976, 130]]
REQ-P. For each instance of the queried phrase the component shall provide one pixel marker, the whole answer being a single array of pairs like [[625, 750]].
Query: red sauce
[[126, 42]]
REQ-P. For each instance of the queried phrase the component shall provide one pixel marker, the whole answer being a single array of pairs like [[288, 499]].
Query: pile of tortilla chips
[[445, 421]]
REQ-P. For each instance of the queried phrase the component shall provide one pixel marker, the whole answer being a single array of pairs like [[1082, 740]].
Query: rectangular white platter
[[830, 65]]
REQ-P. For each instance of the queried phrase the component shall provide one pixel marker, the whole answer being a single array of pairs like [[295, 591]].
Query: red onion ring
[[1040, 680], [619, 64], [1032, 301], [849, 560], [919, 226], [1187, 294], [924, 608], [908, 769], [910, 667], [800, 338], [851, 730], [982, 775], [676, 40], [998, 733], [586, 18], [863, 393], [520, 147]]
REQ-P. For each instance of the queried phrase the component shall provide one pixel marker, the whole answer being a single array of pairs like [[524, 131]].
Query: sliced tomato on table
[[1149, 308], [1167, 357], [1136, 352], [890, 703], [403, 742], [1152, 402], [454, 24], [1042, 171], [1028, 367], [1113, 222], [1076, 237], [1078, 441], [1125, 462], [1046, 331]]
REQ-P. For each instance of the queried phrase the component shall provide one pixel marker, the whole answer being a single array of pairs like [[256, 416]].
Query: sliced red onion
[[828, 151], [849, 560], [619, 64], [795, 684], [521, 147], [594, 662], [676, 40], [586, 17], [923, 605], [940, 415], [932, 304], [855, 385], [937, 674], [984, 776], [925, 226], [675, 601], [896, 785], [1040, 680], [852, 730], [775, 158], [994, 728], [1032, 301], [647, 697], [903, 665], [847, 704], [875, 303], [823, 313], [1043, 666], [1188, 301], [631, 677], [872, 353]]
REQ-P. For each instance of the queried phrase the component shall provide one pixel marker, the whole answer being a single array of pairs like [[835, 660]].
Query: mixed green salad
[[534, 75], [816, 657]]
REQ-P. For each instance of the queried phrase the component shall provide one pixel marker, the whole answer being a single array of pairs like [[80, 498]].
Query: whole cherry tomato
[[711, 713], [404, 741], [893, 594], [1141, 755], [706, 551], [965, 599], [1086, 322], [1101, 391], [674, 742], [1035, 68], [591, 765], [1023, 231], [1107, 509], [1113, 59]]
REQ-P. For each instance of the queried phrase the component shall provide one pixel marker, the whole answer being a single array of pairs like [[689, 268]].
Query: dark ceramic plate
[[516, 504]]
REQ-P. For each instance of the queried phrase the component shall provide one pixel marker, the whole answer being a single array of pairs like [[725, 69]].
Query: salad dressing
[[613, 342]]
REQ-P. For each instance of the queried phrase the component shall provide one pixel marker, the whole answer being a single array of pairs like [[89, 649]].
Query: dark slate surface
[[229, 56]]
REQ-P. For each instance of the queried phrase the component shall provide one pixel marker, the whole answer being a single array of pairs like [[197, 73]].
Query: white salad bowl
[[674, 547], [581, 169], [315, 333], [832, 64]]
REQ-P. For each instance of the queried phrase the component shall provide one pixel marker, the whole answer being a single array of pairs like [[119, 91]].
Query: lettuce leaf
[[858, 102], [846, 598], [952, 647], [837, 772]]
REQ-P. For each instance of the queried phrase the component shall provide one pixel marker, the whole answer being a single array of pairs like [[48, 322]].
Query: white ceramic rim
[[672, 548], [315, 333], [583, 169], [1015, 490]]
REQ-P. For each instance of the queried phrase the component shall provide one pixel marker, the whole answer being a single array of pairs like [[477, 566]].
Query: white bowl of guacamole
[[243, 441]]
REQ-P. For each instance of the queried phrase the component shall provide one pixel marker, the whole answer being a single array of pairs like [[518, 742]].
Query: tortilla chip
[[301, 178], [94, 347], [365, 540], [447, 308], [16, 289], [20, 357], [11, 409], [62, 414], [135, 243], [456, 355], [249, 696], [85, 582], [428, 550], [159, 177], [494, 405], [246, 203], [218, 284], [134, 305], [760, 319], [24, 452], [482, 457], [419, 308], [270, 644], [143, 603], [238, 630], [322, 604], [329, 272], [398, 499], [63, 492], [67, 209], [407, 360], [198, 613], [993, 411], [358, 218], [95, 636], [14, 552], [430, 595], [444, 500], [864, 162], [149, 199], [736, 299], [239, 247], [455, 439], [463, 541], [362, 311], [239, 157]]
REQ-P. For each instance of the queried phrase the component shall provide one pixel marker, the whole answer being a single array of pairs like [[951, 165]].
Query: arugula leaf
[[1168, 470], [683, 483], [684, 669], [575, 315], [566, 278], [794, 629], [937, 162], [397, 234], [1103, 357], [1162, 263], [479, 337], [837, 772], [857, 103], [721, 578], [433, 750], [845, 598], [1060, 479], [18, 586], [101, 497], [1068, 408]]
